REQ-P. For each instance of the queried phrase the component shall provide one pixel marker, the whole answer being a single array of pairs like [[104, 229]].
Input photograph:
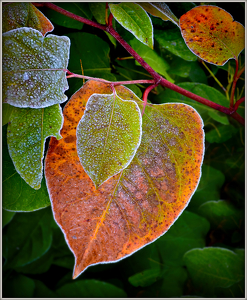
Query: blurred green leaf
[[6, 112], [221, 134], [29, 236], [42, 291], [28, 129], [222, 214], [98, 11], [79, 8], [7, 216], [208, 188], [90, 289], [17, 194], [219, 117], [146, 278], [213, 267], [34, 68], [18, 286], [135, 19], [172, 41]]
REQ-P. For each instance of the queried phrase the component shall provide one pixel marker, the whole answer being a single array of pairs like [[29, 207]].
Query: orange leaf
[[211, 34], [136, 206]]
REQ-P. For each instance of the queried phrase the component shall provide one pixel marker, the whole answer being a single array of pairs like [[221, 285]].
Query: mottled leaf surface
[[108, 136], [211, 33], [29, 237], [17, 195], [139, 204], [34, 68], [135, 19], [16, 15], [28, 129], [214, 267]]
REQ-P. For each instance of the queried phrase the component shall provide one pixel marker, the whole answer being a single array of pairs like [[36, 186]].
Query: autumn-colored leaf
[[34, 68], [136, 206], [16, 15], [108, 136], [211, 33]]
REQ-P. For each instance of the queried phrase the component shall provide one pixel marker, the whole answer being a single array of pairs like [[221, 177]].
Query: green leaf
[[18, 286], [7, 216], [213, 267], [6, 112], [90, 289], [29, 236], [172, 41], [108, 136], [219, 117], [134, 18], [98, 11], [221, 134], [146, 277], [27, 131], [17, 194], [16, 15], [188, 232], [79, 8], [34, 68], [222, 214], [42, 291], [151, 57], [208, 188]]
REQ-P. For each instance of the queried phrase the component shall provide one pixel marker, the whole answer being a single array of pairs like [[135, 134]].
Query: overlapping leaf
[[159, 9], [134, 18], [108, 136], [26, 135], [34, 68], [139, 204], [211, 33], [16, 15]]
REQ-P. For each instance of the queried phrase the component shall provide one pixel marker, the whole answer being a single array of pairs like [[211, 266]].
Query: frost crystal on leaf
[[34, 68]]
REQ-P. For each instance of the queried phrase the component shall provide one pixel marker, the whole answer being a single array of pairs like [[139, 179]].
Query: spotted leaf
[[211, 33], [136, 206]]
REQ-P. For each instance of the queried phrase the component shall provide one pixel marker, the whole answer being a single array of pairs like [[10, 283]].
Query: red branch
[[157, 78]]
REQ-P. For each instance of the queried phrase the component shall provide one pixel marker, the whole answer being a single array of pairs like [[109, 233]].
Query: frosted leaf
[[16, 15], [108, 136], [135, 19], [34, 68], [27, 131], [162, 10]]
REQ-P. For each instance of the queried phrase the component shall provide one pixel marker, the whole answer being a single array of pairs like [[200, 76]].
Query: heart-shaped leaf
[[108, 136], [16, 15], [34, 68], [134, 18], [211, 33], [27, 131], [136, 206]]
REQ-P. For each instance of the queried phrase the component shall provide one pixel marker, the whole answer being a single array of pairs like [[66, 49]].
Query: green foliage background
[[203, 253]]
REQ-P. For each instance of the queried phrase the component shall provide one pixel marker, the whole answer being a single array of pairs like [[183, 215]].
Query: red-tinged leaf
[[211, 33], [136, 206], [16, 15]]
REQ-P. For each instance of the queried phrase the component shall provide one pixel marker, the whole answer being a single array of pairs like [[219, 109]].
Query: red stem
[[235, 79], [145, 95], [157, 78], [238, 103]]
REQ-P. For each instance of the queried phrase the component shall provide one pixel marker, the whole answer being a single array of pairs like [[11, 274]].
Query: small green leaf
[[98, 11], [219, 117], [29, 236], [108, 136], [164, 10], [172, 41], [221, 134], [6, 112], [17, 194], [34, 68], [146, 277], [150, 56], [90, 289], [222, 214], [134, 18], [27, 131], [213, 267]]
